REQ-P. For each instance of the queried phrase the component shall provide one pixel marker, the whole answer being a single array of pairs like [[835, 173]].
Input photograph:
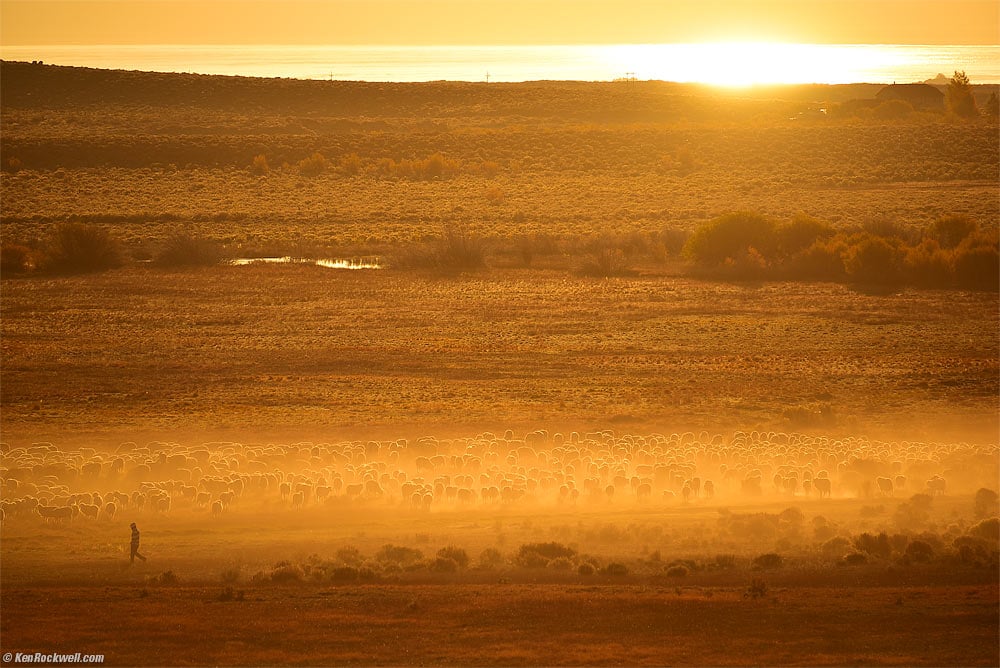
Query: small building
[[921, 96]]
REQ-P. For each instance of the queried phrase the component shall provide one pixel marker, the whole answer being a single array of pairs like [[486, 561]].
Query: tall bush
[[873, 260], [961, 101], [77, 249], [314, 165], [950, 231], [730, 237], [977, 266], [15, 259], [800, 233]]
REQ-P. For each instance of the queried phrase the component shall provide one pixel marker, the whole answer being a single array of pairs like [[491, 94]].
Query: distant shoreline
[[732, 64]]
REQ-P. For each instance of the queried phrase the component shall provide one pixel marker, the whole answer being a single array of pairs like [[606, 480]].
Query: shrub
[[495, 195], [456, 554], [919, 551], [876, 546], [531, 559], [167, 578], [605, 263], [872, 260], [344, 574], [350, 555], [801, 233], [284, 571], [585, 569], [729, 236], [836, 547], [350, 164], [443, 565], [854, 559], [436, 166], [988, 530], [725, 561], [231, 575], [548, 550], [756, 589], [950, 231], [402, 556], [560, 564], [456, 251], [183, 250], [928, 265], [974, 551], [615, 569], [314, 165], [677, 571], [76, 249], [259, 166], [822, 261], [766, 561], [490, 558], [461, 250], [977, 267], [15, 259], [986, 503], [228, 594], [538, 555], [673, 240]]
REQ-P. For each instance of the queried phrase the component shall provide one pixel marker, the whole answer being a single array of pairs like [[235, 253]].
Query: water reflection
[[336, 263]]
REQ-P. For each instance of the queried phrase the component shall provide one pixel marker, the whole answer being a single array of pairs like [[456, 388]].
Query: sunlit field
[[627, 373]]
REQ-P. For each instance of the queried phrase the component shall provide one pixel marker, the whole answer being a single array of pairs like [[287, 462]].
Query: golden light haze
[[24, 22]]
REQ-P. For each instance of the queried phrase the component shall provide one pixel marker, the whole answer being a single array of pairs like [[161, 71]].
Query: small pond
[[335, 263]]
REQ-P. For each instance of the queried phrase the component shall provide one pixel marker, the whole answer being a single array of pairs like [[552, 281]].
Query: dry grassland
[[70, 589], [280, 351]]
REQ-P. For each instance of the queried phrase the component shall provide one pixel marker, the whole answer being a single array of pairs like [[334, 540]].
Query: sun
[[740, 64]]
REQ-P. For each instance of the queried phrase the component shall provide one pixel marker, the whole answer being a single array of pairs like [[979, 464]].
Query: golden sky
[[497, 21]]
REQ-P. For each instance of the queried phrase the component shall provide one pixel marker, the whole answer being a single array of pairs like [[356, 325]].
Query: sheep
[[936, 485], [822, 486], [57, 513], [298, 499], [89, 510], [217, 508], [162, 504], [883, 485], [110, 510]]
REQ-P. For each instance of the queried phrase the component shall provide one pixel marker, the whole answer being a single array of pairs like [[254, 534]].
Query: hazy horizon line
[[505, 45]]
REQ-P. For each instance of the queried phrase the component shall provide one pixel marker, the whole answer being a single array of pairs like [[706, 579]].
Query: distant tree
[[960, 99]]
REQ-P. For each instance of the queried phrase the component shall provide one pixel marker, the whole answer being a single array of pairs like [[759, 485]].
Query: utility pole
[[487, 77]]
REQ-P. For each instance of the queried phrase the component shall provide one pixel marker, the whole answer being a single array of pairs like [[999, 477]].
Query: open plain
[[539, 433]]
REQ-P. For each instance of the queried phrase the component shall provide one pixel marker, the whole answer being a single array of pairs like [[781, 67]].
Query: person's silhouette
[[135, 545]]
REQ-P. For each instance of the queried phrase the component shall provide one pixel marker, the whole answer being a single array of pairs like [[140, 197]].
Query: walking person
[[135, 545]]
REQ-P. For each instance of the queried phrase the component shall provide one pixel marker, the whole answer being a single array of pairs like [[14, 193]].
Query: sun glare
[[738, 64]]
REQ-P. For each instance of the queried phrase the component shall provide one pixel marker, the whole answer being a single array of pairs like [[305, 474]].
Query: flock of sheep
[[42, 482]]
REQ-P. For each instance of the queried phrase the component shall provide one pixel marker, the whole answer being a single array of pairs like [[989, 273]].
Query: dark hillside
[[26, 85]]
